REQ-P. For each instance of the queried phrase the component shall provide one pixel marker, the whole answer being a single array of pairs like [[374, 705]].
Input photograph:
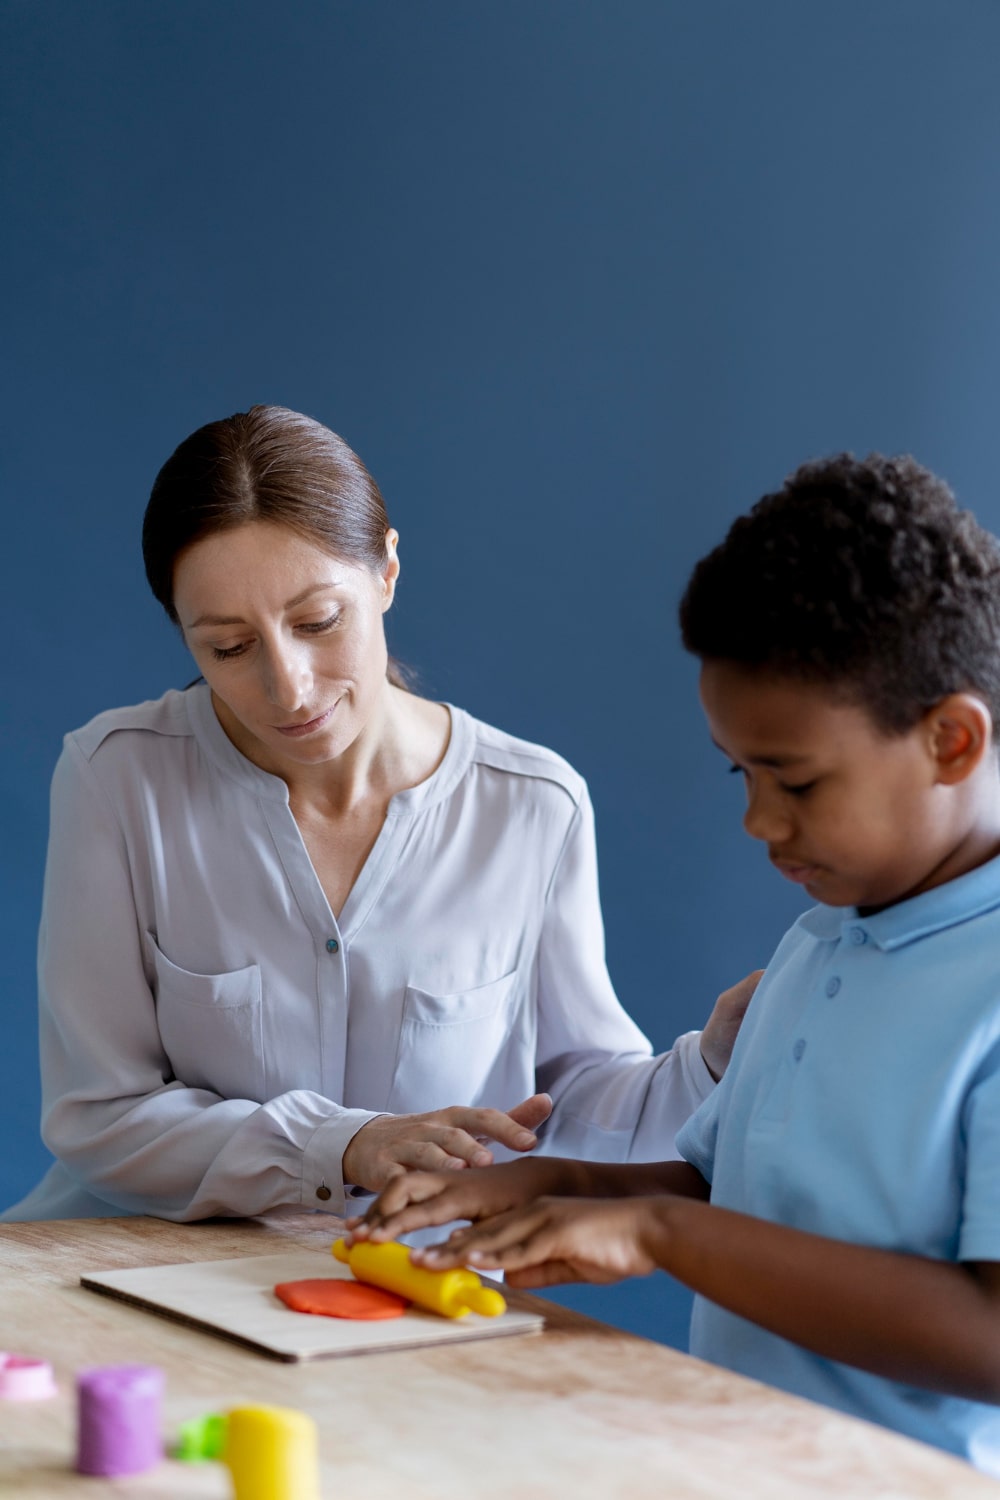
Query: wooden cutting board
[[235, 1299]]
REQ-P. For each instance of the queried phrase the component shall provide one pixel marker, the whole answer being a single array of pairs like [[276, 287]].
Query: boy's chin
[[833, 890]]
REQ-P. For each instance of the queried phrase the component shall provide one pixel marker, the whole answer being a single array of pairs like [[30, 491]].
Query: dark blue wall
[[578, 280]]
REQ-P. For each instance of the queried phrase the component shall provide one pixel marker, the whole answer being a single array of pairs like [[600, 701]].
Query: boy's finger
[[443, 1257], [424, 1215], [407, 1187], [548, 1273], [482, 1244]]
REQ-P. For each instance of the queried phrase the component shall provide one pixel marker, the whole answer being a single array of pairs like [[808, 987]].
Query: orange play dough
[[333, 1298]]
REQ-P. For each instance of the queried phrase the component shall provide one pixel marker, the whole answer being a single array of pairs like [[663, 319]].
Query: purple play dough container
[[119, 1419]]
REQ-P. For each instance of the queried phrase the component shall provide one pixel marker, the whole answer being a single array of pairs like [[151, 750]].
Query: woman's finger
[[428, 1156], [532, 1112], [493, 1125], [459, 1144]]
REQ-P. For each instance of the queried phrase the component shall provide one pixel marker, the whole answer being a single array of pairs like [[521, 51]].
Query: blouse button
[[858, 936], [323, 1192], [331, 947], [832, 985], [799, 1049]]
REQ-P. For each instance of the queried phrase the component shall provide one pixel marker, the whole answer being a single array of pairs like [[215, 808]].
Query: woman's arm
[[612, 1100], [929, 1323]]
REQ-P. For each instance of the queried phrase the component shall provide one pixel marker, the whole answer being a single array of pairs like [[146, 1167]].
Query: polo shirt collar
[[947, 905]]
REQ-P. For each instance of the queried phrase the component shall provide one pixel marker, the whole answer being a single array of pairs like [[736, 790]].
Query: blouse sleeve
[[121, 1124], [613, 1100]]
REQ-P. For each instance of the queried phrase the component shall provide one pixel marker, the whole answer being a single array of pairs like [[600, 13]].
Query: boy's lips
[[795, 870]]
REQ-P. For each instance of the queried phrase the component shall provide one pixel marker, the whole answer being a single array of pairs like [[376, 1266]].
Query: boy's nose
[[764, 819]]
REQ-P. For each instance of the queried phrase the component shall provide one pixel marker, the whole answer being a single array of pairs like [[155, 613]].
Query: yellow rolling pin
[[450, 1293]]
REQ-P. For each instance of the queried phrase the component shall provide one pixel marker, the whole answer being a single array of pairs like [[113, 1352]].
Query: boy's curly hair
[[862, 574]]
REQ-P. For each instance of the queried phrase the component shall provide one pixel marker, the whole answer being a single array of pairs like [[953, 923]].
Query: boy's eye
[[799, 790], [736, 771]]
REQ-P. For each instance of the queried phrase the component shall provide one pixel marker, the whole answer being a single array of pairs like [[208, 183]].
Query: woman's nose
[[287, 678]]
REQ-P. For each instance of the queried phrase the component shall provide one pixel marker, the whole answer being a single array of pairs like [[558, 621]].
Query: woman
[[295, 912]]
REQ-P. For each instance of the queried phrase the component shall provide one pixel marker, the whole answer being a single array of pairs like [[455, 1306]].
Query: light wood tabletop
[[580, 1411]]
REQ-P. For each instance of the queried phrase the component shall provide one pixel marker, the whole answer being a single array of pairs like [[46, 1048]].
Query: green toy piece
[[201, 1439]]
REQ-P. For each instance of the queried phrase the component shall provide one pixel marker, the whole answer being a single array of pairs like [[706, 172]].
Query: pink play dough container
[[23, 1379]]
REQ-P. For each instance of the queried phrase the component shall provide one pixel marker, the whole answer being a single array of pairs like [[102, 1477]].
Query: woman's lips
[[298, 731]]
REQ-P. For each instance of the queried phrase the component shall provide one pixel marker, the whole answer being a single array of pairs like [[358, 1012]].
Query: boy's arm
[[416, 1200], [930, 1323]]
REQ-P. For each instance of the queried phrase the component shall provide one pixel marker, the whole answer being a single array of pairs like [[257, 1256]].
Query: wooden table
[[581, 1411]]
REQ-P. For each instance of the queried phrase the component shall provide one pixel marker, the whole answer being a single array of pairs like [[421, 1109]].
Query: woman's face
[[289, 638]]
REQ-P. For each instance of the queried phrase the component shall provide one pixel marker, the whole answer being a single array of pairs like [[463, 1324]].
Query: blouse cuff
[[322, 1185], [688, 1048]]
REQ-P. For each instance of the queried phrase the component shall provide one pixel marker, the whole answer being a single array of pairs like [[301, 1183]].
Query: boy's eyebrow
[[772, 761]]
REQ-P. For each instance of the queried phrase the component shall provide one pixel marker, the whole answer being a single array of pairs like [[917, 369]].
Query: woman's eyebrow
[[315, 588]]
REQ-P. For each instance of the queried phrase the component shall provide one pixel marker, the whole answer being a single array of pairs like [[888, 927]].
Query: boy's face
[[857, 817]]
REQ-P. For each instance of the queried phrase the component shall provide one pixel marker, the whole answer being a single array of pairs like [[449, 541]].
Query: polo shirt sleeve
[[979, 1237], [696, 1140]]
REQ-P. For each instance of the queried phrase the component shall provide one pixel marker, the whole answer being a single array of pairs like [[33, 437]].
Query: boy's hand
[[557, 1239], [722, 1026], [419, 1199]]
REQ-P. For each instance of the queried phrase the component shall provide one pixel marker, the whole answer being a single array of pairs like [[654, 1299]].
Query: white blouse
[[212, 1037]]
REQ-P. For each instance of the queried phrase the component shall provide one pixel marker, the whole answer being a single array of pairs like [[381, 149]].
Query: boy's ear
[[960, 734]]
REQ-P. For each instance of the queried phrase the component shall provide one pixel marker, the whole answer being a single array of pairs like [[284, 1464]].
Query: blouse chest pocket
[[211, 1026], [449, 1046]]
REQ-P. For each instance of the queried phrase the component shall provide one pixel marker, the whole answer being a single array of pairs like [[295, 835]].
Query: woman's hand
[[415, 1200], [442, 1139], [558, 1239], [722, 1026]]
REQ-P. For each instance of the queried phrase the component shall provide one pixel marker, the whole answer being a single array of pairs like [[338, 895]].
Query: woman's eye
[[799, 790], [226, 653], [317, 627]]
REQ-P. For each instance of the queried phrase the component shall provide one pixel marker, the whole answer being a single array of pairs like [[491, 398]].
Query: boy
[[838, 1211]]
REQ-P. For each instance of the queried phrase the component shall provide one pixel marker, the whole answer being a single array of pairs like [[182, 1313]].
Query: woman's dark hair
[[860, 574], [265, 464]]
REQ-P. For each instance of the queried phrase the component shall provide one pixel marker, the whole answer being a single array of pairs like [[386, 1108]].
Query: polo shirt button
[[832, 985], [331, 947], [798, 1049], [323, 1192], [858, 936]]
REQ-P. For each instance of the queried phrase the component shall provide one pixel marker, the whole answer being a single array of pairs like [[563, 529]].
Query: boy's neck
[[979, 844]]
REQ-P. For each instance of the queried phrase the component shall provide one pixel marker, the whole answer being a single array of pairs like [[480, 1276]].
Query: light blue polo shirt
[[863, 1103]]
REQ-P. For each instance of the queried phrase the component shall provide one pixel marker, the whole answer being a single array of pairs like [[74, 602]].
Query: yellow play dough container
[[272, 1453]]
